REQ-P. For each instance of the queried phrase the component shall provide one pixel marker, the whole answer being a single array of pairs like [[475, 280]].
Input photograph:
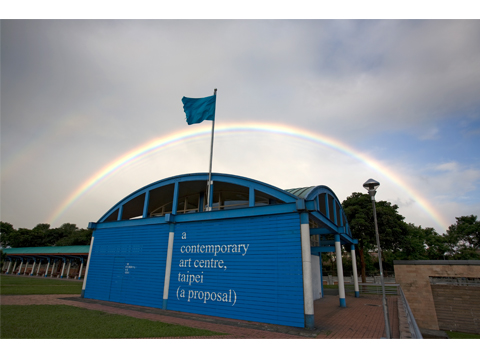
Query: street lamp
[[371, 186]]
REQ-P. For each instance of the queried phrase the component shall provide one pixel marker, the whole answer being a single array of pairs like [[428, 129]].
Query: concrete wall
[[316, 286], [414, 278]]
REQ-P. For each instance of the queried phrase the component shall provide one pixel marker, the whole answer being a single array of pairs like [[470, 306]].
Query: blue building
[[254, 256]]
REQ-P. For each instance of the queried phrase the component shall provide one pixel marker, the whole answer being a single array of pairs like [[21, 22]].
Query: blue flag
[[198, 110]]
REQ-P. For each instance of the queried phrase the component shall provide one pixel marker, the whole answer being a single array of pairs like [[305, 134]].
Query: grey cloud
[[78, 94]]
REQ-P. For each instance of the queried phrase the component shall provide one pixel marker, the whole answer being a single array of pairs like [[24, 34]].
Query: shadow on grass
[[69, 322]]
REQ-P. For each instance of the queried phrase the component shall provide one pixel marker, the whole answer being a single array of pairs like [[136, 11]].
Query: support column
[[8, 269], [168, 266], [307, 271], [26, 267], [63, 269], [341, 285], [14, 266], [20, 269], [68, 270], [86, 271], [54, 267], [355, 275], [39, 266], [48, 265], [81, 269], [33, 266]]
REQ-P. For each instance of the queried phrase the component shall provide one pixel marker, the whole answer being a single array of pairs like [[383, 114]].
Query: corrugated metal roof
[[301, 192], [78, 249]]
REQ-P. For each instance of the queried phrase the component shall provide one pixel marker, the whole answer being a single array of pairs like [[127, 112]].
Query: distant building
[[53, 261]]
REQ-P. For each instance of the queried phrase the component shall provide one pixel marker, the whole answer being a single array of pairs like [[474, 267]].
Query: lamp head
[[371, 186]]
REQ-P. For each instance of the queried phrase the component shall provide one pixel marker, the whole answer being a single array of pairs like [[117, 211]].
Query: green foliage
[[3, 256], [43, 235], [391, 227], [401, 241], [69, 322], [465, 237]]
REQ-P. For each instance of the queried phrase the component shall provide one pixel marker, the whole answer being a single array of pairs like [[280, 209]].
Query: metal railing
[[375, 289], [412, 324], [330, 279]]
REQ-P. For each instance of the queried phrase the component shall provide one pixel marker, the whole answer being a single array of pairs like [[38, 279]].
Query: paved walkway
[[361, 319]]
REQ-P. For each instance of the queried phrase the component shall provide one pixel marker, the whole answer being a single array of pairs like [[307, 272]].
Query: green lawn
[[460, 335], [25, 285], [69, 322]]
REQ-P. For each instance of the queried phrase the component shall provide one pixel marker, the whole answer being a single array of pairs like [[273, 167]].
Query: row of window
[[191, 199], [334, 210]]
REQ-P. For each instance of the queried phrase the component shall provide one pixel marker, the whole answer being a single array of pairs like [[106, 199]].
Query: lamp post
[[371, 186]]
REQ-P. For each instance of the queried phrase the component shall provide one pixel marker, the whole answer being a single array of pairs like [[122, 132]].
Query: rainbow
[[195, 132]]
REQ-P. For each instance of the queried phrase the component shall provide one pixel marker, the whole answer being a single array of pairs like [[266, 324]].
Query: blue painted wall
[[248, 268], [127, 265], [252, 269]]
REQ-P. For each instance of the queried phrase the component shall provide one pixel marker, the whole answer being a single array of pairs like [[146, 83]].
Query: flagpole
[[209, 183]]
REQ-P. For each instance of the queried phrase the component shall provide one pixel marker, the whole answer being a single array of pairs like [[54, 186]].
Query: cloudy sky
[[299, 103]]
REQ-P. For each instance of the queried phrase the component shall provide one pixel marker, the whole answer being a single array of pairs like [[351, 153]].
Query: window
[[331, 208], [188, 204], [191, 195], [321, 203], [112, 217], [229, 196], [134, 208], [262, 199], [161, 200]]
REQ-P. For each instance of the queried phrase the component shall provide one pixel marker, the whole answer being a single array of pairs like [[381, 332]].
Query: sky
[[91, 111]]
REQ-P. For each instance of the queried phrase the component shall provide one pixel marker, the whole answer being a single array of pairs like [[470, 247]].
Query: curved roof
[[323, 204], [301, 192], [268, 189]]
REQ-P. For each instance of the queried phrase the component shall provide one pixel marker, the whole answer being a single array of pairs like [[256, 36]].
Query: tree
[[466, 231], [414, 244], [411, 247], [70, 234], [6, 229], [464, 238], [43, 235], [391, 226]]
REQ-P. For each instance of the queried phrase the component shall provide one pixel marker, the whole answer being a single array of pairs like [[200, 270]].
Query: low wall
[[416, 278]]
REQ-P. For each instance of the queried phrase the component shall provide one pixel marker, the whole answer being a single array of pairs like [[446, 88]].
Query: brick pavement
[[361, 319]]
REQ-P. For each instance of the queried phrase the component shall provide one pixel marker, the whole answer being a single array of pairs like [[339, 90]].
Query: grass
[[460, 335], [23, 285], [69, 322]]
